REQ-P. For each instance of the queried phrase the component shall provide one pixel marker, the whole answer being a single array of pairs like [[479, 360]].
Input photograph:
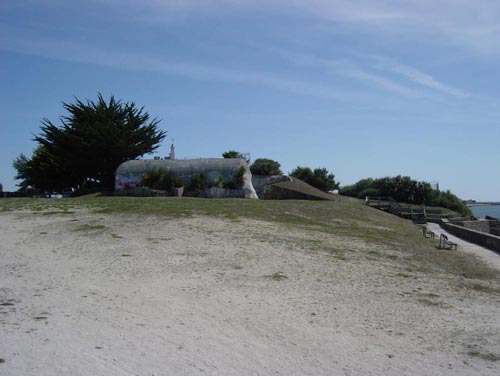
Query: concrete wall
[[495, 228], [483, 239], [488, 226], [129, 173], [481, 226], [215, 192]]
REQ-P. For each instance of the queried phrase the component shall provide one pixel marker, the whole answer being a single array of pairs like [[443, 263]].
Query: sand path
[[490, 257], [92, 294]]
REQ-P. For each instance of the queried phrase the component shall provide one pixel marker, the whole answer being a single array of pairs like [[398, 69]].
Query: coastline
[[483, 204]]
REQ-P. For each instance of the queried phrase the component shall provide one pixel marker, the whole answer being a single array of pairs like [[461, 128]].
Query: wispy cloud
[[416, 76], [345, 67], [382, 73], [470, 24], [80, 53], [385, 84]]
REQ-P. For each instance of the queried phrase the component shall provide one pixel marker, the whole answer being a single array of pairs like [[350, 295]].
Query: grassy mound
[[393, 238]]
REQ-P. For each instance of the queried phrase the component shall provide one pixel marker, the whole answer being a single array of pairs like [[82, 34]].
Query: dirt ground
[[97, 294]]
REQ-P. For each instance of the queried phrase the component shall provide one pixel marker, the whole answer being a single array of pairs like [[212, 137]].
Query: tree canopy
[[319, 178], [407, 190], [264, 166], [42, 171], [232, 154], [94, 138]]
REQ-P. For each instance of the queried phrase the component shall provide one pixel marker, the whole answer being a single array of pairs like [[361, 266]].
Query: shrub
[[198, 182], [319, 178], [371, 192], [232, 154], [219, 182], [264, 166], [404, 189], [159, 179], [240, 175]]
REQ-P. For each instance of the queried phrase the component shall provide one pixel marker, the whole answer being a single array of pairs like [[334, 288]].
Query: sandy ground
[[93, 294]]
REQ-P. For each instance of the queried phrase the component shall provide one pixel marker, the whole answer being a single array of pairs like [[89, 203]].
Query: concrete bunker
[[130, 173]]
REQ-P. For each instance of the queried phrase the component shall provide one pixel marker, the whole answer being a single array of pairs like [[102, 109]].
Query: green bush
[[219, 182], [159, 179], [319, 178], [198, 182], [404, 189], [370, 192], [239, 176], [264, 166], [232, 154]]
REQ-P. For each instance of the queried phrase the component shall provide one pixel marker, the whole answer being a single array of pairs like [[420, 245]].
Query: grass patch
[[486, 356], [2, 360], [277, 276], [403, 275], [428, 302], [335, 252], [89, 227], [432, 303], [484, 288], [430, 295], [379, 254], [374, 253], [57, 212]]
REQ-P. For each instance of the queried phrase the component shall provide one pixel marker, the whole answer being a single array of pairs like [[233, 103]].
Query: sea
[[480, 211]]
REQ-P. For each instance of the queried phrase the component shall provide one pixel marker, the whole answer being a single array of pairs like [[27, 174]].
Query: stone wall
[[481, 226], [494, 225], [489, 226], [495, 228]]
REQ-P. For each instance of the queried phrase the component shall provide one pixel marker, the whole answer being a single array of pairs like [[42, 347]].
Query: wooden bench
[[428, 233], [444, 243]]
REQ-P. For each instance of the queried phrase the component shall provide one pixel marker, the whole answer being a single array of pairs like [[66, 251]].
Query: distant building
[[434, 185], [172, 152]]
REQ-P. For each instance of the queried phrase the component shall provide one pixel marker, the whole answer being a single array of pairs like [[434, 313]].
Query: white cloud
[[347, 68], [80, 53], [418, 77], [385, 83], [471, 24], [403, 80]]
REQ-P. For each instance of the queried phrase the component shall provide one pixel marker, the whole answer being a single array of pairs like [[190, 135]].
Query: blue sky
[[363, 88]]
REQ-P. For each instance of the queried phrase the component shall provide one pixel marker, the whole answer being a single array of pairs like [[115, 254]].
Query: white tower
[[172, 150]]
